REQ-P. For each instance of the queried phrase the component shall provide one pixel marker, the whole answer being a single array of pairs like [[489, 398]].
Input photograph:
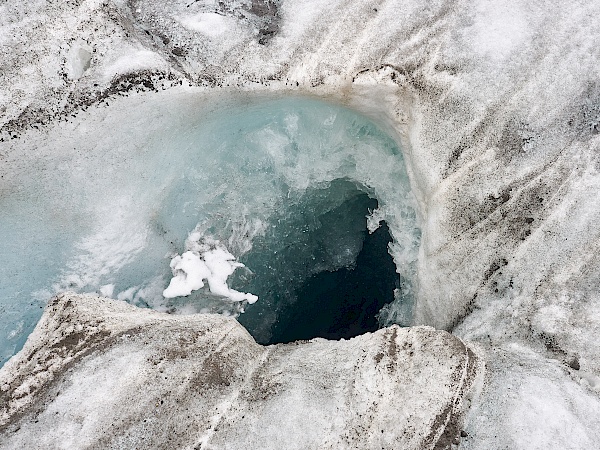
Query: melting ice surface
[[184, 212]]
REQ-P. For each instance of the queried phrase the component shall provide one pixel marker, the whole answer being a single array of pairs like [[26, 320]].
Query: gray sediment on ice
[[99, 373]]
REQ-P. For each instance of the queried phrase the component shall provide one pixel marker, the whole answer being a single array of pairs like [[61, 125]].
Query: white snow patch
[[209, 24], [133, 62], [213, 263]]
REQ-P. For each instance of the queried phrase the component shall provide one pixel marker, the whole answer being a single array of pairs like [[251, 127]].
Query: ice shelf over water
[[134, 378]]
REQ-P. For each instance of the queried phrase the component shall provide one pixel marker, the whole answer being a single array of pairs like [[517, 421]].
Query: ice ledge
[[98, 373]]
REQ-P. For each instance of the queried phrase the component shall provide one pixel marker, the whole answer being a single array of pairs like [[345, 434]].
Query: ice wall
[[119, 200]]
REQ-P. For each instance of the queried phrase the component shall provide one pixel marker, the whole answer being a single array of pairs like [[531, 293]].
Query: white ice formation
[[496, 106], [214, 265]]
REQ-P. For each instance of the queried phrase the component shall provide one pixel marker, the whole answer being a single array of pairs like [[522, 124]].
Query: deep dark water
[[304, 291], [344, 303]]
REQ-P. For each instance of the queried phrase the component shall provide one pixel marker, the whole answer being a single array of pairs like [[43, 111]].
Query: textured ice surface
[[497, 103], [115, 195], [529, 403], [102, 374]]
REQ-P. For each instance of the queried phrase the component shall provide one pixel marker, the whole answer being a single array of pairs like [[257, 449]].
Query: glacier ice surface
[[496, 102], [101, 373]]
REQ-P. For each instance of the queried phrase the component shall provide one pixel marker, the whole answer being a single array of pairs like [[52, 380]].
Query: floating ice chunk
[[189, 272], [214, 265], [127, 295], [374, 219], [15, 332], [107, 290]]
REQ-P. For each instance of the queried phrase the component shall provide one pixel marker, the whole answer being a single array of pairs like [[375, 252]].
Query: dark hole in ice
[[335, 302], [259, 178], [343, 303]]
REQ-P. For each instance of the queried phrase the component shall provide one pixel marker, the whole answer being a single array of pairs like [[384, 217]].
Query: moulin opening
[[170, 208], [343, 303], [340, 275]]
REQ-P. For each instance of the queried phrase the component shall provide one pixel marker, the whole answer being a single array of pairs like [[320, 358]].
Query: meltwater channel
[[294, 215]]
